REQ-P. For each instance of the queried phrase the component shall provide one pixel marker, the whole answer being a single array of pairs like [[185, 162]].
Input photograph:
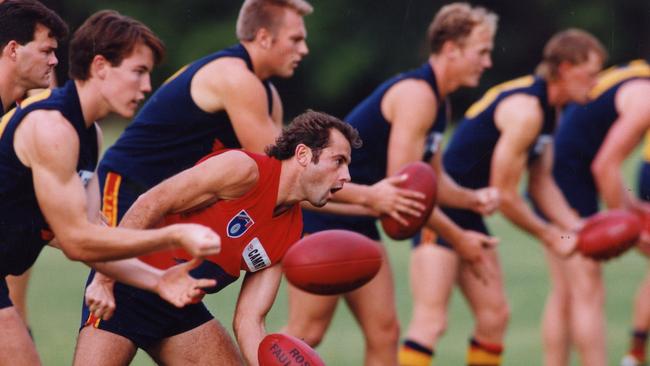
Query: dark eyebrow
[[341, 156]]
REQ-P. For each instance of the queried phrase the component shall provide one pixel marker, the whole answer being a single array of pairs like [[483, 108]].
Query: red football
[[282, 349], [609, 234], [332, 262], [421, 178]]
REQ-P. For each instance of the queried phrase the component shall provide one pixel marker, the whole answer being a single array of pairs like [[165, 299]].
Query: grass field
[[57, 285]]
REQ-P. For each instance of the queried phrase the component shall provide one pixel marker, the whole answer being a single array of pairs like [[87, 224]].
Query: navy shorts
[[146, 319], [5, 301], [468, 220], [316, 221], [576, 182], [644, 181]]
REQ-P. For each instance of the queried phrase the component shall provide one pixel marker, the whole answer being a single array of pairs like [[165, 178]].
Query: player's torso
[[369, 162], [252, 238], [583, 128], [470, 150], [20, 213], [171, 133]]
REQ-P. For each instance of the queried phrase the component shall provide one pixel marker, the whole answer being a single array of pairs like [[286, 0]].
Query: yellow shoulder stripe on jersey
[[36, 98], [5, 120], [614, 75], [175, 75], [492, 94], [646, 147]]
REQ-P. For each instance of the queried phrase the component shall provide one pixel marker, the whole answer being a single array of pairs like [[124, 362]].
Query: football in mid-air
[[609, 234], [421, 178], [284, 350], [332, 262]]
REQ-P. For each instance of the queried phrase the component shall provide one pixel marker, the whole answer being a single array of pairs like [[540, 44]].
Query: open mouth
[[335, 189]]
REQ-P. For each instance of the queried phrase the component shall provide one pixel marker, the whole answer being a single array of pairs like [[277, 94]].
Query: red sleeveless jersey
[[251, 237]]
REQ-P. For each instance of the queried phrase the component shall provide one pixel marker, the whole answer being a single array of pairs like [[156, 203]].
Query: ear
[[303, 154], [563, 68], [264, 38], [11, 50], [451, 49], [99, 67]]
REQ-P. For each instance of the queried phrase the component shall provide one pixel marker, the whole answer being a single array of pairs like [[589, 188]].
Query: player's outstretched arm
[[175, 285], [450, 194], [519, 119], [225, 176], [256, 297], [49, 145], [624, 135]]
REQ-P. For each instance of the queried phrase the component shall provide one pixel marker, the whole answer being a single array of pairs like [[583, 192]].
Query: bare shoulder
[[518, 107], [412, 89], [44, 135], [409, 96], [633, 96], [228, 72], [237, 165]]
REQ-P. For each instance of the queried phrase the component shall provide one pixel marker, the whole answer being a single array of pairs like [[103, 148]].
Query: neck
[[288, 191], [10, 89], [92, 103], [257, 58], [445, 77], [555, 93]]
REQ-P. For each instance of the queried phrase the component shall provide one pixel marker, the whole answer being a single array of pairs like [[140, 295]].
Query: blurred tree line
[[355, 45]]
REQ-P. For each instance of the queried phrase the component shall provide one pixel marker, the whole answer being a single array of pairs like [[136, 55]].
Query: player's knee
[[429, 324], [494, 318], [311, 333], [383, 333]]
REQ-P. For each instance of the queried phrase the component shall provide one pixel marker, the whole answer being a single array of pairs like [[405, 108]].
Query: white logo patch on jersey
[[85, 176], [433, 142], [255, 256], [541, 142]]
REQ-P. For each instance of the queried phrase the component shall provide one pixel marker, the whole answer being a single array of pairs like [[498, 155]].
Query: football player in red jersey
[[252, 202]]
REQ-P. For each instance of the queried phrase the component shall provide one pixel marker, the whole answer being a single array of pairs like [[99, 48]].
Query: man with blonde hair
[[502, 135], [401, 122]]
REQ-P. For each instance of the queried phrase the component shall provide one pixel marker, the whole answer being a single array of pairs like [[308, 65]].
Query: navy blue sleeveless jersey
[[369, 162], [23, 229], [469, 154], [171, 133], [581, 132]]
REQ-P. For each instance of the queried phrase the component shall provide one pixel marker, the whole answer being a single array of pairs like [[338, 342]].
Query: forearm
[[94, 243], [249, 330], [129, 271], [353, 193], [337, 208], [451, 194], [612, 188], [515, 209], [551, 202]]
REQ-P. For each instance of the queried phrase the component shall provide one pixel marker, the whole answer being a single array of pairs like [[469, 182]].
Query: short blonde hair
[[455, 22], [572, 45], [257, 14]]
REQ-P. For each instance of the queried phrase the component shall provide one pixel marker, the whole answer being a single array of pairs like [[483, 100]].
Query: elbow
[[74, 246], [599, 169]]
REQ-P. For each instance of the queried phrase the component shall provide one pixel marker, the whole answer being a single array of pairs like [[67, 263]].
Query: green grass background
[[56, 290]]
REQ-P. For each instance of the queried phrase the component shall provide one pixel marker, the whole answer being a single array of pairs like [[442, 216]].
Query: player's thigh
[[102, 348], [560, 277], [482, 296], [207, 344], [434, 270], [374, 303], [16, 346], [306, 308]]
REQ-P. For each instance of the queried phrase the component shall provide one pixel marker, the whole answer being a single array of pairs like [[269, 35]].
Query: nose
[[487, 62], [304, 50], [345, 174], [145, 86], [53, 60]]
